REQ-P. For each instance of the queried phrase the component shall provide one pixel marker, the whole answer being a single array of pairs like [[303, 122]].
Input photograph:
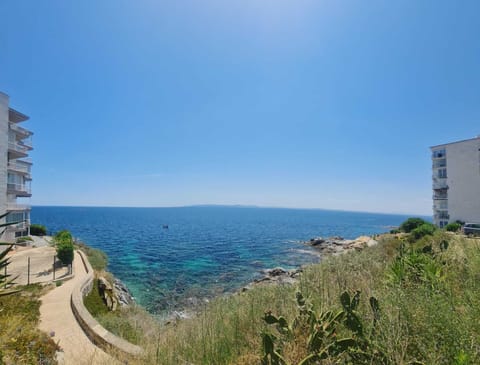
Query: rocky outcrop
[[337, 245], [123, 294], [105, 290], [114, 295], [277, 275]]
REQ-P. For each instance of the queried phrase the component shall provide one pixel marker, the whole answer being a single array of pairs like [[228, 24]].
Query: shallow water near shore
[[205, 251]]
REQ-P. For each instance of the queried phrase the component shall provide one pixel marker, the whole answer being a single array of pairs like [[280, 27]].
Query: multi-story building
[[456, 182], [15, 166]]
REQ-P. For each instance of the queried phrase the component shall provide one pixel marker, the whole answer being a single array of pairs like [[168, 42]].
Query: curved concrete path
[[56, 315]]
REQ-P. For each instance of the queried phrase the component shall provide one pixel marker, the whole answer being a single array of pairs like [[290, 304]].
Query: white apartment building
[[15, 167], [456, 182]]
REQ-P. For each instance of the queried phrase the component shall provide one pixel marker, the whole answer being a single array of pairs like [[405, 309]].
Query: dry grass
[[20, 340]]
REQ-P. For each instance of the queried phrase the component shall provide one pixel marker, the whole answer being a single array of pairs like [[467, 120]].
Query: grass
[[21, 342], [97, 258], [428, 290]]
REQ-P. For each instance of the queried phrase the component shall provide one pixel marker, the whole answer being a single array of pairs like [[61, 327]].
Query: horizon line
[[230, 206]]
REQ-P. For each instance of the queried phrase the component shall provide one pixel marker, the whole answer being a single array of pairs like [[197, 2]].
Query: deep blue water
[[206, 251]]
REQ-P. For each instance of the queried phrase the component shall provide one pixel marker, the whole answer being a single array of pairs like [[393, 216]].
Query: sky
[[305, 104]]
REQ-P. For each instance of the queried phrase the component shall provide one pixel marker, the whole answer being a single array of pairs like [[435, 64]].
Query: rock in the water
[[123, 294]]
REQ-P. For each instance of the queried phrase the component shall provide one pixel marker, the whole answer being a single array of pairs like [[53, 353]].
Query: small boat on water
[[165, 226]]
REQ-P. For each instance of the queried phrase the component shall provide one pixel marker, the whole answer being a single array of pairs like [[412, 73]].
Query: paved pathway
[[56, 315]]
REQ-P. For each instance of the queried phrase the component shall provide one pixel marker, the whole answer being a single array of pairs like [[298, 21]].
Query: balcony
[[439, 183], [441, 215], [21, 167], [19, 130], [437, 163], [14, 207], [439, 196], [20, 190], [18, 150], [22, 226]]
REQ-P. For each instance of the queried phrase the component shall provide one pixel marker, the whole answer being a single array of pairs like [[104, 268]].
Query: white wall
[[463, 178]]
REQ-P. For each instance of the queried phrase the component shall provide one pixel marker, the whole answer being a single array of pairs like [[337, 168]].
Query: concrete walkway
[[56, 315]]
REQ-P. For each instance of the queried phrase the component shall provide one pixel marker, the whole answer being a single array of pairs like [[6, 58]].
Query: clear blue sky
[[319, 104]]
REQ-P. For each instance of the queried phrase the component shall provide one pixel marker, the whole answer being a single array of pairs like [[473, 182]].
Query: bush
[[410, 224], [453, 227], [64, 242], [426, 229], [38, 230]]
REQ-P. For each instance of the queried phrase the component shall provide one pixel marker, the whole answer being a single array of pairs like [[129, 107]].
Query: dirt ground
[[41, 265]]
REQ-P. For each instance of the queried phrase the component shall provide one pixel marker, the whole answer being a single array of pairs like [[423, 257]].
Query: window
[[439, 153], [442, 173]]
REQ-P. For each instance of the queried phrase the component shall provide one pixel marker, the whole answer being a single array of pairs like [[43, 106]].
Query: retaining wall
[[94, 330]]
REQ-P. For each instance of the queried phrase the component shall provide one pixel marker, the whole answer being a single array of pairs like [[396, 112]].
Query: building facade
[[15, 171], [456, 182]]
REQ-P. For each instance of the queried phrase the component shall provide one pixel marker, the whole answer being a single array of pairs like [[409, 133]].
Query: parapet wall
[[95, 332]]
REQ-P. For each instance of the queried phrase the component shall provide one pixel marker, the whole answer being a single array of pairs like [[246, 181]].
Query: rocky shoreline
[[116, 294], [326, 246], [119, 294]]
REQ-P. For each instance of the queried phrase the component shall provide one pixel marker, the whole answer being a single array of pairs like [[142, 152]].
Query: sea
[[171, 258]]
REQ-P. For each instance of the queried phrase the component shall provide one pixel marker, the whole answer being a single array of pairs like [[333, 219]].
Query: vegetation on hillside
[[21, 342], [425, 311]]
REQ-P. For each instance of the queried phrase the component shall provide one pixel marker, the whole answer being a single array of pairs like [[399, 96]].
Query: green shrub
[[410, 224], [453, 227], [426, 229], [64, 243], [38, 230], [63, 236]]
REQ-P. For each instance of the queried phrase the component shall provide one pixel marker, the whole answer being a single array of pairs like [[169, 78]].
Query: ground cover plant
[[21, 342]]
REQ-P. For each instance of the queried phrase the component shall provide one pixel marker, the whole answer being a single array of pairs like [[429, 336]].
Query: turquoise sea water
[[205, 251]]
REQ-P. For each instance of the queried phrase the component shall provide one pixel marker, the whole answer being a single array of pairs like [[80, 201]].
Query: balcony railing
[[16, 128], [17, 207], [19, 226], [439, 163], [19, 148], [439, 183], [19, 189], [19, 167], [439, 196]]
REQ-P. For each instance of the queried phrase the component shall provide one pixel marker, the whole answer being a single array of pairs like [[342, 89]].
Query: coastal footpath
[[57, 319]]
